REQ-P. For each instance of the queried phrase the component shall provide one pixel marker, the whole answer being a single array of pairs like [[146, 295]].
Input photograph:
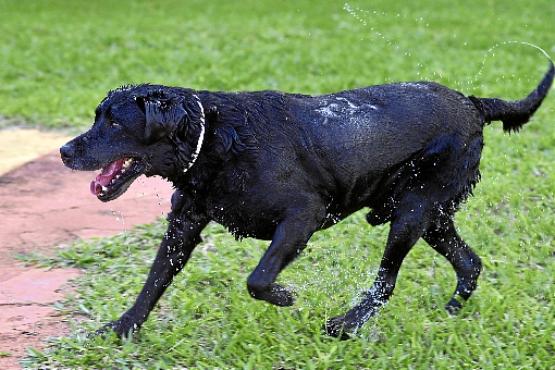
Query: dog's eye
[[113, 123]]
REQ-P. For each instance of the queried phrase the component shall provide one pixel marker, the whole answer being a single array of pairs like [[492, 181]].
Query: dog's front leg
[[181, 238], [290, 238]]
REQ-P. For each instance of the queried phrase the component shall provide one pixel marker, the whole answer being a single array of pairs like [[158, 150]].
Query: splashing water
[[355, 13], [119, 218], [470, 82]]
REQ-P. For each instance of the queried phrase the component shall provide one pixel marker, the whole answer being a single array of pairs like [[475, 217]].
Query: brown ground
[[42, 207], [18, 146]]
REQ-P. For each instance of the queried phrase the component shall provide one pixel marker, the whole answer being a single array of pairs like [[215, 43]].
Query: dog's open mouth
[[115, 178]]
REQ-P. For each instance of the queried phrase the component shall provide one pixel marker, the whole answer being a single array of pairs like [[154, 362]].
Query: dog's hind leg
[[443, 237], [408, 223], [290, 238]]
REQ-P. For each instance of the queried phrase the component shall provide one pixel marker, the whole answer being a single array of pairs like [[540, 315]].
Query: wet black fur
[[282, 166]]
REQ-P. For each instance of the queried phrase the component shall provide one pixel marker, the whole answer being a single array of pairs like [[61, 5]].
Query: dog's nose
[[67, 152]]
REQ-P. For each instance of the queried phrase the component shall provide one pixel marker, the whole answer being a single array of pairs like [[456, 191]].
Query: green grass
[[59, 58]]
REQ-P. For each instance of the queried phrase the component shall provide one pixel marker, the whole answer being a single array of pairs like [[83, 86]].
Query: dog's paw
[[453, 306], [125, 327], [281, 296], [338, 328], [274, 294]]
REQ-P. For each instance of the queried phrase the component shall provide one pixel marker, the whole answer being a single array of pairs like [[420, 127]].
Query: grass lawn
[[58, 58]]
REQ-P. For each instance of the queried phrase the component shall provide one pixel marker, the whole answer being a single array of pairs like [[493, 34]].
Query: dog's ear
[[162, 116]]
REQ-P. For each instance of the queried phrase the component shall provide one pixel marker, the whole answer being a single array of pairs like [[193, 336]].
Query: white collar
[[200, 138]]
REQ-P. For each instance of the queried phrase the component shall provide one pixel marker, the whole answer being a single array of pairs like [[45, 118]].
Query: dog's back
[[376, 127]]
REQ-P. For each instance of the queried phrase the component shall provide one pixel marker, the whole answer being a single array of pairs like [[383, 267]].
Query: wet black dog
[[282, 166]]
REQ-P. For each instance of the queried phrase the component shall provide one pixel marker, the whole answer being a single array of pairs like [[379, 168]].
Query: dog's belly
[[263, 228], [249, 228], [256, 212], [254, 219], [243, 219]]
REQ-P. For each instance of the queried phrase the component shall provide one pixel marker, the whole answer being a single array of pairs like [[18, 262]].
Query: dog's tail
[[514, 114]]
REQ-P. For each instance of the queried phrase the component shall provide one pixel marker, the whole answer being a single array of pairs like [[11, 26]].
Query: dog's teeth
[[104, 188], [127, 162]]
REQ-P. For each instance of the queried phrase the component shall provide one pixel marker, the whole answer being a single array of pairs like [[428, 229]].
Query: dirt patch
[[28, 317], [20, 146], [43, 206]]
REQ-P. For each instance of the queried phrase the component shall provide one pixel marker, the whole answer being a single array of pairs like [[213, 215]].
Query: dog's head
[[146, 129]]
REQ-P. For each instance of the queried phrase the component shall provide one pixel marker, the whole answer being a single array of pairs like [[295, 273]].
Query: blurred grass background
[[58, 59]]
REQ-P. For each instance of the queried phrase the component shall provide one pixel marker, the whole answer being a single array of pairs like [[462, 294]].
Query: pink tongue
[[107, 174]]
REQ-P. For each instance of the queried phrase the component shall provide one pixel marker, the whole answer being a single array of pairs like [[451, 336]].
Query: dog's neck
[[200, 139], [226, 135], [194, 165]]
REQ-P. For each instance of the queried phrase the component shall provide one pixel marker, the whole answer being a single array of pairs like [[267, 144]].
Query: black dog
[[282, 166]]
